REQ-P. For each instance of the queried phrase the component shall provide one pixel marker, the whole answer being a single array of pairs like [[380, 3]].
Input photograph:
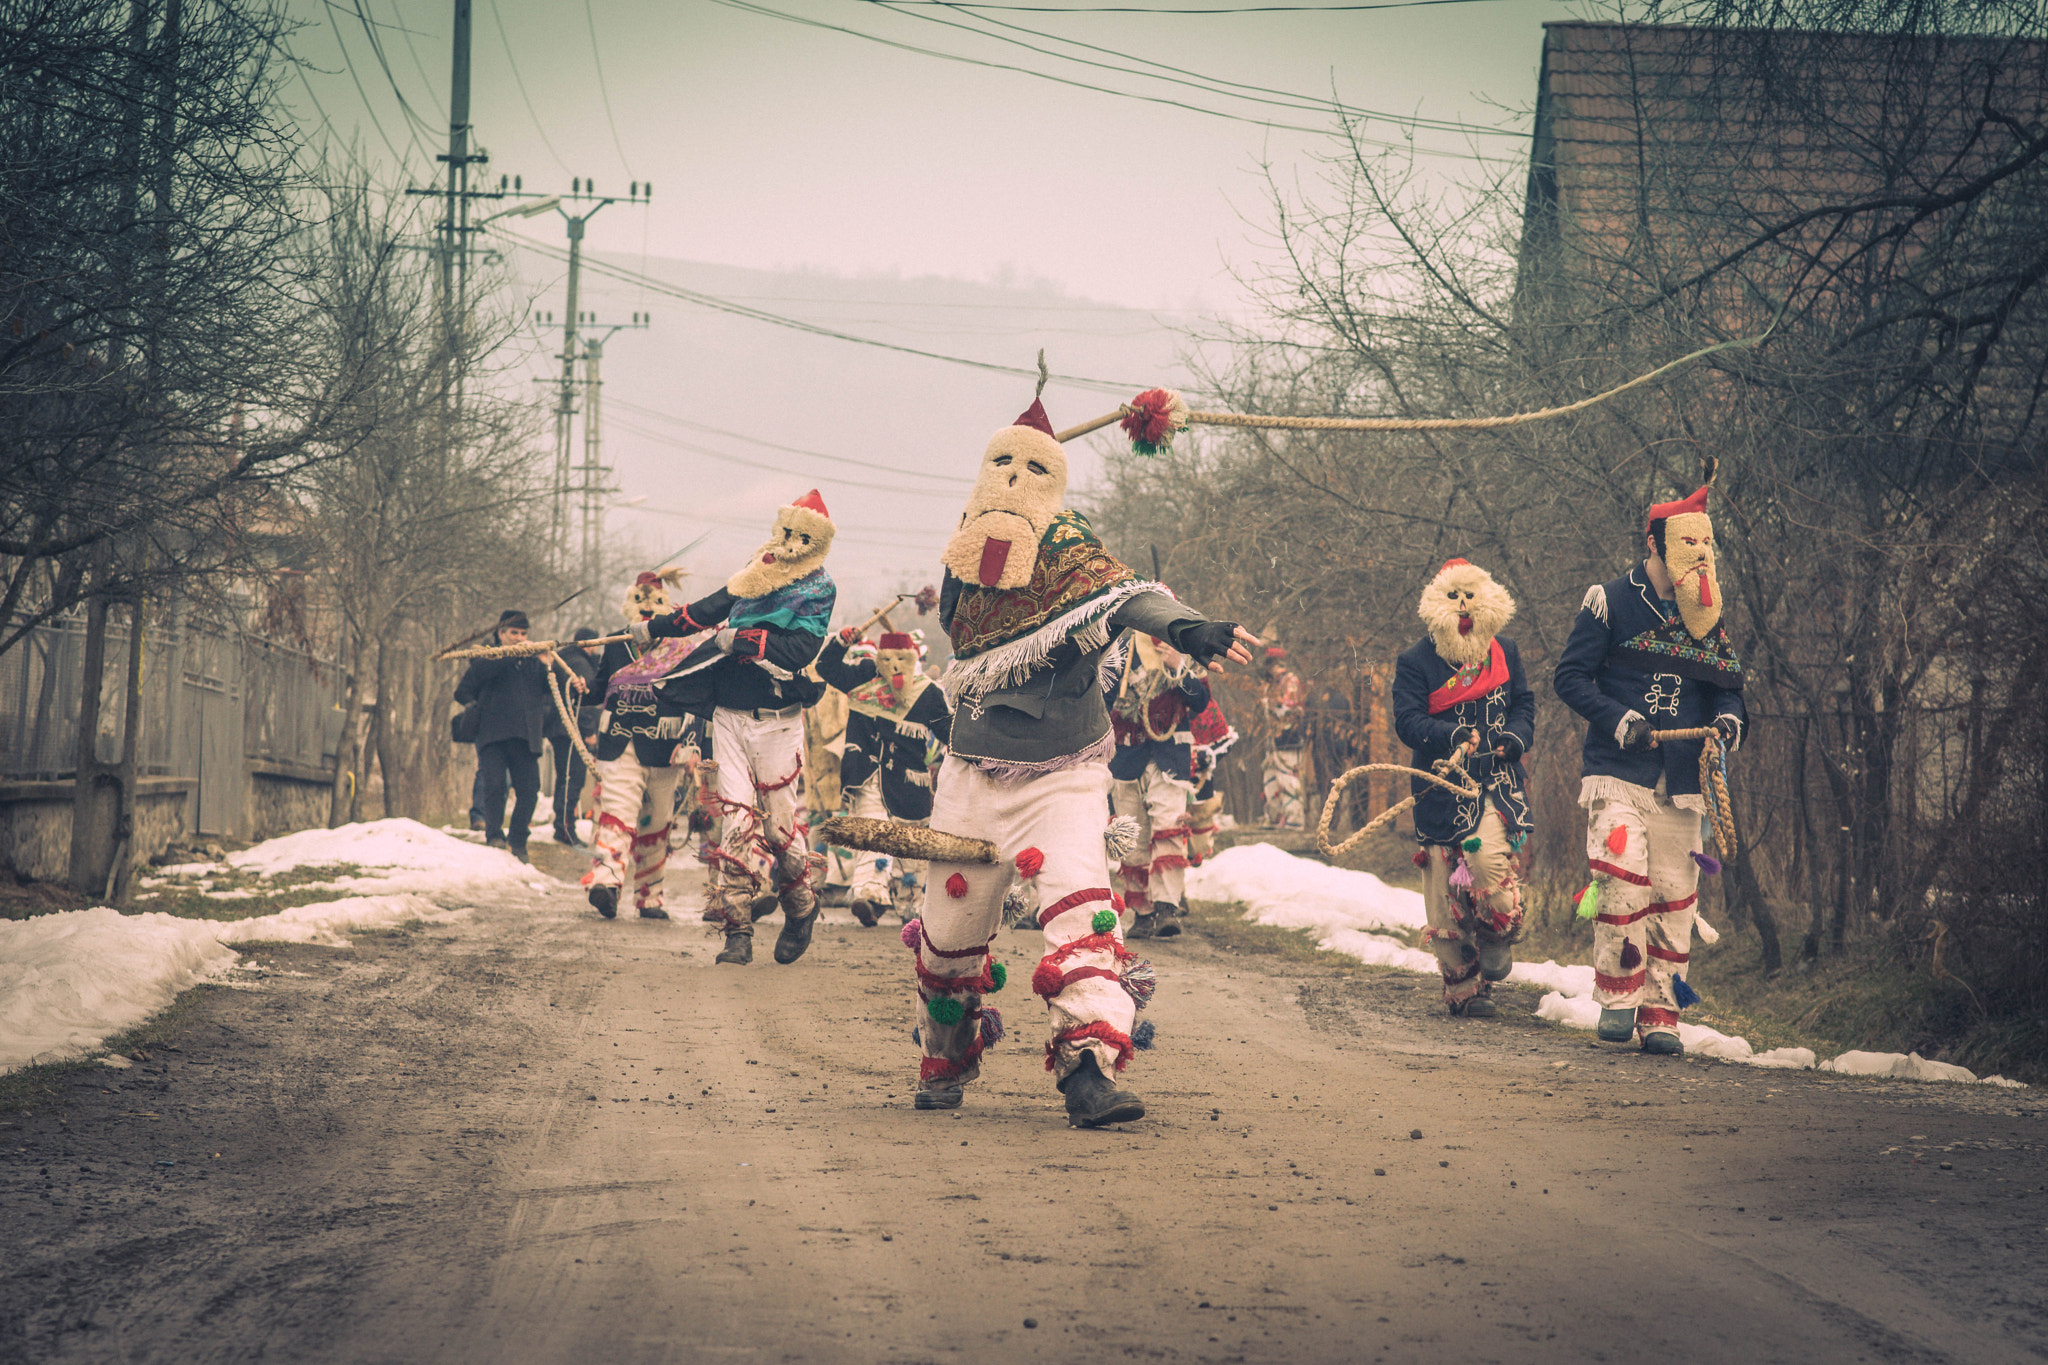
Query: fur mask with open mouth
[[795, 547], [1021, 487], [652, 595], [1689, 559], [1464, 609]]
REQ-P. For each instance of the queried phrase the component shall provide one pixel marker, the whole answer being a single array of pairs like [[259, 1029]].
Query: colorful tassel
[[1421, 857], [1631, 957], [1142, 1036], [956, 886], [1588, 900], [1030, 862], [1709, 864], [945, 1010], [1139, 982], [1461, 876], [911, 932], [1156, 416], [1046, 980], [1617, 840], [1687, 996], [998, 974], [1471, 845], [1120, 838], [991, 1026], [1102, 921]]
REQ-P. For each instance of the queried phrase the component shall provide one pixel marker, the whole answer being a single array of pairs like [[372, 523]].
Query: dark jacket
[[895, 748], [762, 671], [514, 697], [654, 726], [582, 666], [1505, 713], [1171, 713], [1625, 655], [1057, 711]]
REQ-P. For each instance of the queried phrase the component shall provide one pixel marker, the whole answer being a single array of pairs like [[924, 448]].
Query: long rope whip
[[527, 648], [1444, 767], [555, 690], [1713, 781]]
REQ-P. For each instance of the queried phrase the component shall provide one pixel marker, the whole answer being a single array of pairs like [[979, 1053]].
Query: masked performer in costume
[[1460, 690], [1648, 652], [749, 675], [1152, 777], [646, 742], [1280, 773], [1213, 736], [1033, 603], [895, 715]]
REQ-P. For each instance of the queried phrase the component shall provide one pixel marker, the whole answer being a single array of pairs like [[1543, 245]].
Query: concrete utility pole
[[589, 478]]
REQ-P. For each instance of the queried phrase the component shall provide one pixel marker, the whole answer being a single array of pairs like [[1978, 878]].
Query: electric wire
[[721, 305], [412, 115], [1210, 85], [348, 62], [750, 7], [1163, 9], [590, 19], [745, 462], [659, 415], [520, 82]]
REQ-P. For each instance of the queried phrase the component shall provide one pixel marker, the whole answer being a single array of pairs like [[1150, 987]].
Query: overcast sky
[[783, 146]]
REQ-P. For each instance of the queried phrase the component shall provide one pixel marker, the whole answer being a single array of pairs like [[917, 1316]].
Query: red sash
[[1452, 692]]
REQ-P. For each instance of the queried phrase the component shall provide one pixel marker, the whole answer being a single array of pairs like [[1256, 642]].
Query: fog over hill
[[715, 419]]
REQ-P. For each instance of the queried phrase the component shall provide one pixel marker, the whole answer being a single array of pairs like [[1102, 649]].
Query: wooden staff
[[900, 840], [527, 648]]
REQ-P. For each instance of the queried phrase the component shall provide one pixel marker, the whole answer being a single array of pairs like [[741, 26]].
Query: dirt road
[[539, 1137]]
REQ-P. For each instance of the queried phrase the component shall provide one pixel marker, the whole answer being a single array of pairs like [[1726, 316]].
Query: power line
[[590, 19], [1148, 9], [721, 305], [520, 82], [791, 450], [836, 481], [749, 7], [1210, 85], [348, 63], [384, 63]]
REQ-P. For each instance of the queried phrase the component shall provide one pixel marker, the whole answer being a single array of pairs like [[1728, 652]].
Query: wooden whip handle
[[529, 648]]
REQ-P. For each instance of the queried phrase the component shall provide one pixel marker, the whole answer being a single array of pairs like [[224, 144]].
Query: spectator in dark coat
[[511, 721]]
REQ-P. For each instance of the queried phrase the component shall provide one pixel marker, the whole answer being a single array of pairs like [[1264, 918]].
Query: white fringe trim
[[1000, 770], [1007, 665], [1596, 601]]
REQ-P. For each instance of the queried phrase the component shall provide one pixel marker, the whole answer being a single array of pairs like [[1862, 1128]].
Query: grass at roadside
[[32, 1087], [250, 895]]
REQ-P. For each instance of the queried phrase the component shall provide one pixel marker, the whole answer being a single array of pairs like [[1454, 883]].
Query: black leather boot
[[739, 948], [605, 900], [1093, 1099]]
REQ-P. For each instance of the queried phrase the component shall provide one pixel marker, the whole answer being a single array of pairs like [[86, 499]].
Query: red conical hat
[[1450, 564], [1035, 418], [811, 502], [896, 639], [1696, 503]]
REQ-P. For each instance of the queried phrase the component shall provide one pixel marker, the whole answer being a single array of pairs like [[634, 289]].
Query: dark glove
[[1636, 737], [1203, 641], [848, 634], [1509, 749], [1730, 730], [1462, 736]]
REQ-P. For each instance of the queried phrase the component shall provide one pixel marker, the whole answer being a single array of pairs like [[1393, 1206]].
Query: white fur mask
[[1689, 558], [652, 595], [795, 547], [1020, 489], [1464, 609]]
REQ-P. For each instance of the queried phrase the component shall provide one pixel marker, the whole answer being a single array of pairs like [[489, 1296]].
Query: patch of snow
[[191, 869], [230, 895], [1291, 892], [69, 980], [1277, 888], [397, 855]]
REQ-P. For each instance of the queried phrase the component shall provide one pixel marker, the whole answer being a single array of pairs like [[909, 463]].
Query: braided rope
[[568, 721], [1713, 781], [1443, 766], [527, 648]]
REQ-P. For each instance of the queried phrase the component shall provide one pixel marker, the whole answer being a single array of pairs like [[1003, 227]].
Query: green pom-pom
[[1104, 921], [1472, 844], [944, 1010], [1589, 901], [998, 973]]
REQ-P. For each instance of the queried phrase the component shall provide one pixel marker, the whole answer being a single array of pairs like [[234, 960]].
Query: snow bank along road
[[533, 1136]]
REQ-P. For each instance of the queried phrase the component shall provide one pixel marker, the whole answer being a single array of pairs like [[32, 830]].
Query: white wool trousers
[[1639, 847], [758, 797], [1160, 806], [1458, 920], [1048, 827], [635, 809]]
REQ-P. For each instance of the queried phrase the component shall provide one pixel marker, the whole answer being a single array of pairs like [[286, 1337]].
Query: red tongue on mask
[[1464, 625], [768, 558], [1706, 591], [994, 554]]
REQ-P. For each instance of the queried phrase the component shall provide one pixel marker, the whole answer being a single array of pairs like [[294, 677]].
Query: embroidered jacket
[[1436, 707], [1626, 657], [887, 731], [653, 719], [1169, 712], [757, 663]]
